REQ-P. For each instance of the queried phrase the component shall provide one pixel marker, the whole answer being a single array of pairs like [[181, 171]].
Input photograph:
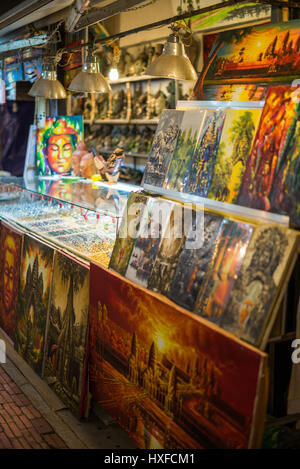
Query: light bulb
[[113, 74]]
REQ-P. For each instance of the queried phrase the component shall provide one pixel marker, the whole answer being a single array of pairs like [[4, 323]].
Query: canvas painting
[[67, 332], [157, 371], [230, 15], [128, 232], [10, 260], [285, 191], [203, 162], [267, 161], [231, 92], [265, 262], [56, 143], [169, 251], [34, 293], [163, 146], [194, 262], [231, 245], [255, 54], [190, 130], [153, 226], [233, 153]]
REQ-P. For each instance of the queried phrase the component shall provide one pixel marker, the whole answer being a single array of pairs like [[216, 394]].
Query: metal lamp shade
[[48, 87], [90, 80], [173, 62]]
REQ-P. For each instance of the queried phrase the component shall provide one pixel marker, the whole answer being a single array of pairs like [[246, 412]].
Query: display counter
[[78, 216]]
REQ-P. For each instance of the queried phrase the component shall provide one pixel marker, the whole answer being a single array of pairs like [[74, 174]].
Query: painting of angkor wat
[[34, 292], [67, 332], [158, 372], [256, 54]]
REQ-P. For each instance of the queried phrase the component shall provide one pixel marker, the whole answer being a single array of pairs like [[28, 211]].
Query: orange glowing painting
[[169, 378], [267, 163], [35, 283], [257, 54], [10, 258]]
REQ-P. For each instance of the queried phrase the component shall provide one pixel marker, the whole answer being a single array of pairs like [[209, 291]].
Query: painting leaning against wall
[[67, 332], [34, 293], [156, 369]]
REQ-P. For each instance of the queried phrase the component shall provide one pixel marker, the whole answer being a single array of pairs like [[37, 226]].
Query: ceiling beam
[[106, 12]]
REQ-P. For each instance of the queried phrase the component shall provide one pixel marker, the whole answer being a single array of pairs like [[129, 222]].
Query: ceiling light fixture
[[90, 80], [173, 62], [48, 86]]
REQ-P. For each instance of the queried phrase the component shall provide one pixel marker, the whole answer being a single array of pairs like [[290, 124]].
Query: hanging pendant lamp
[[90, 80], [48, 86], [173, 62]]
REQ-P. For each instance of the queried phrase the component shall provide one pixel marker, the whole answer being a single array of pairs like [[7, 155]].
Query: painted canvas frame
[[56, 143], [147, 362]]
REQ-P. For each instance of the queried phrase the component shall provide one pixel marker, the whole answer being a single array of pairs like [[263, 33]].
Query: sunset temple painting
[[257, 54], [169, 378]]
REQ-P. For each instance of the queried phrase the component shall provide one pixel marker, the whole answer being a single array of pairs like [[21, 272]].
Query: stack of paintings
[[243, 156]]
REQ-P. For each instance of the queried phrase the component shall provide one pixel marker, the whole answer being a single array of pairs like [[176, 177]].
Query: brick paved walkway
[[21, 425]]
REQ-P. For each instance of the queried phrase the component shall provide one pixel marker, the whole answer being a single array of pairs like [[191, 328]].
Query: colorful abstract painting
[[169, 251], [194, 262], [266, 167], [204, 158], [233, 153], [231, 245], [190, 130], [256, 54], [171, 380], [153, 226], [56, 144], [163, 146], [34, 293], [128, 232], [10, 259], [67, 332], [256, 288]]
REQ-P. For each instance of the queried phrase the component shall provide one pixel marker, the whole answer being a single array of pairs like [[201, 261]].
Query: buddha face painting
[[9, 276], [10, 257], [59, 152], [56, 143]]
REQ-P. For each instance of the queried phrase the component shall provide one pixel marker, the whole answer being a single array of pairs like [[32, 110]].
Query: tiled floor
[[21, 425]]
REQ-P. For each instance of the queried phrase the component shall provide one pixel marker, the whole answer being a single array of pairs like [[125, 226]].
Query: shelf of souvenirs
[[122, 121]]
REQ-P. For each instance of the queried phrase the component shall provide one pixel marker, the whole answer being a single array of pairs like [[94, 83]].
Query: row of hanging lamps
[[89, 80], [173, 62]]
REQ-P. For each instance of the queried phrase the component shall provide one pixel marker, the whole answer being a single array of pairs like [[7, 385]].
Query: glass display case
[[78, 216]]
